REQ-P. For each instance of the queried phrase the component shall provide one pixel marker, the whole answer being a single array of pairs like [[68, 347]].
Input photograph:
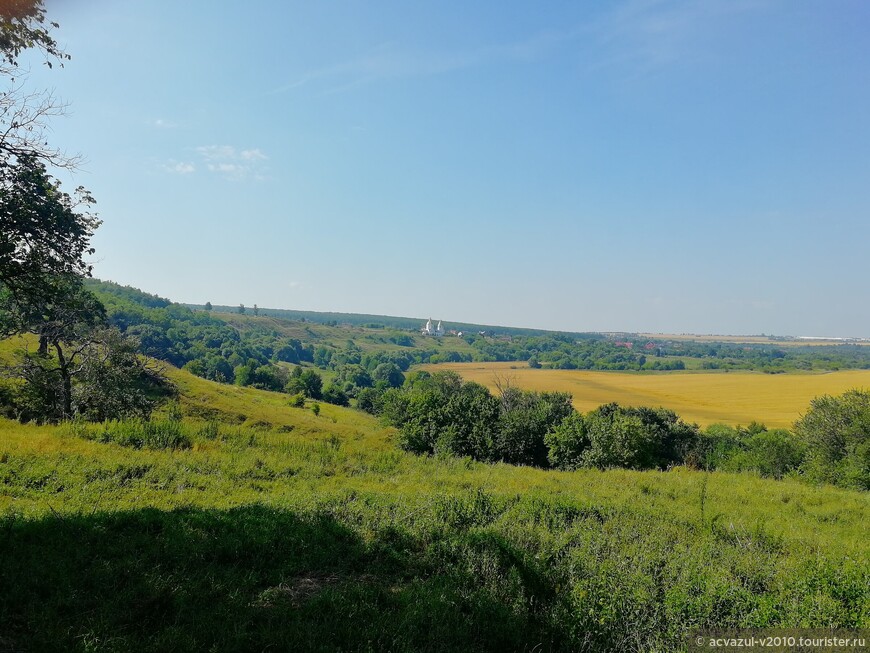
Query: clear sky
[[648, 165]]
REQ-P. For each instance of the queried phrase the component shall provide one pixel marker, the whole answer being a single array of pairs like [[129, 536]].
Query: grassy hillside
[[337, 336], [279, 528], [706, 398]]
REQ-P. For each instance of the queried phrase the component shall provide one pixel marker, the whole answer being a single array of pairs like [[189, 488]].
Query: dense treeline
[[561, 351], [441, 414], [249, 352], [194, 340]]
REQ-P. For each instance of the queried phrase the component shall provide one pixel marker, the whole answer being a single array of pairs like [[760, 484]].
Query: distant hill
[[391, 322]]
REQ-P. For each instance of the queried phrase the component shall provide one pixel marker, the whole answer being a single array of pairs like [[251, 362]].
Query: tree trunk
[[66, 381]]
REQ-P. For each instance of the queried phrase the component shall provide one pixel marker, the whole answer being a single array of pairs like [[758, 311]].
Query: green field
[[278, 528], [733, 398]]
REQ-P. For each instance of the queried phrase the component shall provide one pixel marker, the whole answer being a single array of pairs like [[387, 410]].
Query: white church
[[430, 330]]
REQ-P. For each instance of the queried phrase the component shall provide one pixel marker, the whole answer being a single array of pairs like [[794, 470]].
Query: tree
[[256, 310], [567, 442], [81, 366], [524, 421], [333, 394], [617, 436], [836, 431], [241, 309], [308, 383], [390, 373], [23, 114], [41, 233], [208, 306], [42, 236]]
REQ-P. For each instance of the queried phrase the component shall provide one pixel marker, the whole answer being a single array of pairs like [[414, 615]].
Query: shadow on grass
[[246, 579]]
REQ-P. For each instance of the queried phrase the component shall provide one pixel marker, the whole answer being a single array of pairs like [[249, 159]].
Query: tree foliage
[[43, 235], [618, 436], [836, 431]]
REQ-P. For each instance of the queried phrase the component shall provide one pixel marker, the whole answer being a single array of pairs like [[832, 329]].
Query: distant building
[[430, 330]]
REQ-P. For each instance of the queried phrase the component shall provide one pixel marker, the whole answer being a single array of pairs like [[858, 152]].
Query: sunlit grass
[[272, 529]]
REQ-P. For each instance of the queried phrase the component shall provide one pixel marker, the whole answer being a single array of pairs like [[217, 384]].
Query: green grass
[[282, 530], [367, 339]]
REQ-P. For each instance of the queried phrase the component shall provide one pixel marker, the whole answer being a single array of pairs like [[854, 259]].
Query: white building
[[430, 330]]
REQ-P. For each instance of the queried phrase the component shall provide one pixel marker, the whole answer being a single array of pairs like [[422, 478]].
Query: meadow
[[270, 526], [706, 398]]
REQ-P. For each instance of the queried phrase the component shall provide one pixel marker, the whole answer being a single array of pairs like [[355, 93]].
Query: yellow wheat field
[[706, 398]]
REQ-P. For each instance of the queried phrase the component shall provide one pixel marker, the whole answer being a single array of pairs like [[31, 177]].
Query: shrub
[[773, 454]]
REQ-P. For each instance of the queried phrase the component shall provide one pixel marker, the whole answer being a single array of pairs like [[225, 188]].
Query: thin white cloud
[[388, 61], [253, 155], [229, 168], [160, 123], [216, 152], [179, 167], [233, 164], [640, 34]]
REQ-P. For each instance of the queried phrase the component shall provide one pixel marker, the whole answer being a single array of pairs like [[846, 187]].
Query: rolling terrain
[[275, 527]]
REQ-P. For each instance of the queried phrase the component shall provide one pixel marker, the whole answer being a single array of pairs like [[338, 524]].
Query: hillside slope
[[279, 528]]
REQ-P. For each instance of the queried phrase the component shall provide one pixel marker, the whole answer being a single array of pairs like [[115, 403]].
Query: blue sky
[[648, 165]]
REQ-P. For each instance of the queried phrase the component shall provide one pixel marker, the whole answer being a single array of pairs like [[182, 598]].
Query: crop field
[[733, 398]]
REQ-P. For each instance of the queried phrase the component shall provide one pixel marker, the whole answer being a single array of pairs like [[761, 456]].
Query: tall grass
[[318, 534], [136, 433]]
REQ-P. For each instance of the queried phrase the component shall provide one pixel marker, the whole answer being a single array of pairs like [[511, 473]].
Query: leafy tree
[[333, 394], [616, 436], [114, 382], [836, 431], [256, 310], [441, 413], [308, 383], [322, 357], [567, 442], [42, 236], [370, 400], [64, 322], [208, 306], [524, 421], [42, 233], [390, 373], [355, 375], [81, 367], [241, 309]]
